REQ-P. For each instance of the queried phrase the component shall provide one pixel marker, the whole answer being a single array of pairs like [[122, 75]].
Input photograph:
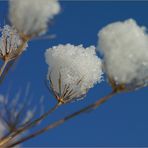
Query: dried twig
[[3, 67]]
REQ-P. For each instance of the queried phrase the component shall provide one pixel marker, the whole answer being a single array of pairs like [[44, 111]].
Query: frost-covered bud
[[72, 71], [125, 49], [11, 44], [31, 17]]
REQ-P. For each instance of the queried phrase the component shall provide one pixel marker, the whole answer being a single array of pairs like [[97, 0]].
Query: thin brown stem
[[3, 67], [61, 121], [8, 67]]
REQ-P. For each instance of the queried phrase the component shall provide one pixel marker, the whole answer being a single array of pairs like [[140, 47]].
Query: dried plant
[[72, 70], [66, 95]]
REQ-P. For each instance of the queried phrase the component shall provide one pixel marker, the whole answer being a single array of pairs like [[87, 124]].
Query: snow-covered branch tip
[[31, 17], [72, 71], [125, 49]]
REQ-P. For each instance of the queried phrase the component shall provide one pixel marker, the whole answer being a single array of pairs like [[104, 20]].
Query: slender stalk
[[61, 121], [9, 65], [2, 143], [3, 67], [8, 138]]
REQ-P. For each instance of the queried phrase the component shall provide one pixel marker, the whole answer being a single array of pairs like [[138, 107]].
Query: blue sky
[[123, 120]]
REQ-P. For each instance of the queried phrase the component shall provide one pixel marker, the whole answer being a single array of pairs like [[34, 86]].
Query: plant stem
[[3, 67], [61, 121]]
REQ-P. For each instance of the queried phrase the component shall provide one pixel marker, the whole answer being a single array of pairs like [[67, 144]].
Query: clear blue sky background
[[122, 121]]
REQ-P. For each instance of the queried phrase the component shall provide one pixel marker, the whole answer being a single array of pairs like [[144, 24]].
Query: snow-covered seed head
[[10, 43], [125, 49], [31, 17], [72, 71]]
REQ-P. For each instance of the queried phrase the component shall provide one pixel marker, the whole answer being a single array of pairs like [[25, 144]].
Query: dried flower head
[[10, 43], [125, 49], [30, 17], [72, 71]]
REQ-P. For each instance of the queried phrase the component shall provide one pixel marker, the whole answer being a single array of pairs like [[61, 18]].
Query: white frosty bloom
[[125, 49], [73, 70], [10, 42], [31, 16]]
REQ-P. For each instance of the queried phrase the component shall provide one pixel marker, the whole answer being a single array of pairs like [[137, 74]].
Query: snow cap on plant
[[125, 49], [31, 17], [11, 44], [72, 71]]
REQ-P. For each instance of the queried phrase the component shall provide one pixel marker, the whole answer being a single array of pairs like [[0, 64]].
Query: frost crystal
[[9, 43], [31, 16], [125, 49], [73, 70]]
